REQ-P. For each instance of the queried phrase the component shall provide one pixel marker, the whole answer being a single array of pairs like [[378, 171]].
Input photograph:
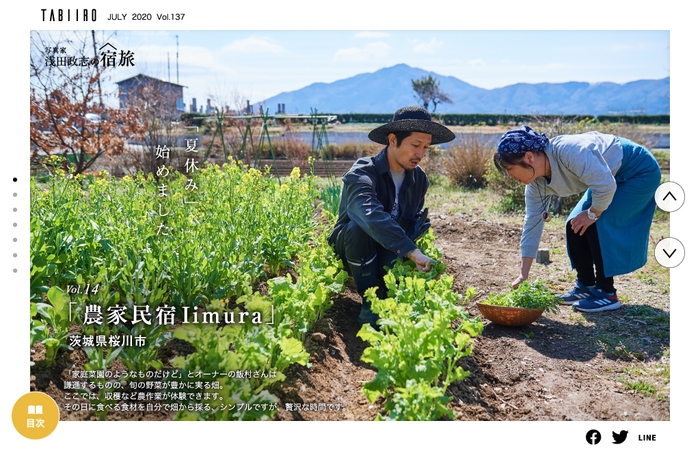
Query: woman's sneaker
[[579, 293], [599, 301]]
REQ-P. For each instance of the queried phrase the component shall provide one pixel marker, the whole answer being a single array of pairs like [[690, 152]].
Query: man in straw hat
[[381, 206]]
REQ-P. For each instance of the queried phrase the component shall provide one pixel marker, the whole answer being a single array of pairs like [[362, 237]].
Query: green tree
[[427, 90]]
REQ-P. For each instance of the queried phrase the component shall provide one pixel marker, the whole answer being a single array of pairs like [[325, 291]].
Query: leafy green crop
[[37, 329], [56, 316], [243, 232], [99, 360], [423, 334], [140, 359], [232, 348]]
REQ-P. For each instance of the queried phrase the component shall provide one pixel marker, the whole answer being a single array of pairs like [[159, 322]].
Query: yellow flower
[[295, 174]]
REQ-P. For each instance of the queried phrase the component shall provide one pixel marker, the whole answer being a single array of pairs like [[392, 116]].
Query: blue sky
[[256, 65]]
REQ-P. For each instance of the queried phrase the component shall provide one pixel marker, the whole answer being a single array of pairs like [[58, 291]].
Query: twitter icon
[[619, 437]]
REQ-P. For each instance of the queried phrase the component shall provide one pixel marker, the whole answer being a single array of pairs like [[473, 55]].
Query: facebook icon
[[593, 437]]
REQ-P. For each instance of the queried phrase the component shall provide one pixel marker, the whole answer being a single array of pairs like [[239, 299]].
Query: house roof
[[146, 77]]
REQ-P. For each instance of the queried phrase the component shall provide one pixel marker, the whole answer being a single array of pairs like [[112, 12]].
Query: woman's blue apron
[[623, 229]]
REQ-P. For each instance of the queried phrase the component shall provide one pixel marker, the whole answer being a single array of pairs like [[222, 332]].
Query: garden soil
[[564, 366]]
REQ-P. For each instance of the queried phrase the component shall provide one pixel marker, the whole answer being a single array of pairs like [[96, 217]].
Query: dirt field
[[568, 366]]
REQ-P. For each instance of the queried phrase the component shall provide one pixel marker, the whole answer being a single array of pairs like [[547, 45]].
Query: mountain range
[[390, 88]]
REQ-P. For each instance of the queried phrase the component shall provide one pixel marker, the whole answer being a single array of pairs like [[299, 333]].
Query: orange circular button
[[35, 415]]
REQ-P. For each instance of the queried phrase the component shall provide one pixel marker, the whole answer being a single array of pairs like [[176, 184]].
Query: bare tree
[[427, 90], [68, 112]]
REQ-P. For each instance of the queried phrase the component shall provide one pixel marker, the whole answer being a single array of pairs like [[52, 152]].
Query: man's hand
[[422, 261]]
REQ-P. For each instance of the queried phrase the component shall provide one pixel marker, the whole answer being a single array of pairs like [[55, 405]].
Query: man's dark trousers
[[364, 258]]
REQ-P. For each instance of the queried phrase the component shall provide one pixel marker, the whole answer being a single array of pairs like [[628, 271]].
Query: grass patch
[[662, 157], [649, 380], [641, 387], [437, 179], [648, 313], [663, 334], [620, 348], [577, 318], [624, 297], [647, 279], [448, 198]]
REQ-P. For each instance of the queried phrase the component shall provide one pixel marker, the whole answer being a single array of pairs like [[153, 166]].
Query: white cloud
[[374, 50], [428, 47], [372, 34], [253, 45]]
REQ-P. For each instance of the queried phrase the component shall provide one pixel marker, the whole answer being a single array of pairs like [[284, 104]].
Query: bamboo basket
[[509, 316]]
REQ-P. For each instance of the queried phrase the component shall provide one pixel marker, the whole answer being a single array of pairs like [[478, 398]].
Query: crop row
[[234, 267], [422, 336]]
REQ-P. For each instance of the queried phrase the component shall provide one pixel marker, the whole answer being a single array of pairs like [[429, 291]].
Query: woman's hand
[[525, 265], [516, 283], [581, 222]]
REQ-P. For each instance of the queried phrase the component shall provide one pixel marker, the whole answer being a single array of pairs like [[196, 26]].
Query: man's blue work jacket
[[368, 197]]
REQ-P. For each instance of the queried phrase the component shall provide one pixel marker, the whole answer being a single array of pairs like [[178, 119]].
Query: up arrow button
[[669, 196]]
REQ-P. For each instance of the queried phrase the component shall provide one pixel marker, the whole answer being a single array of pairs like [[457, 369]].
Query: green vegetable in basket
[[527, 295]]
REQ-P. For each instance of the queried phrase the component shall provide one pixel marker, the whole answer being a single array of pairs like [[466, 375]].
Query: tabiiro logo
[[593, 437]]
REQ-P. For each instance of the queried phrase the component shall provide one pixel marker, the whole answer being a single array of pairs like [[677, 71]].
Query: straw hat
[[412, 119]]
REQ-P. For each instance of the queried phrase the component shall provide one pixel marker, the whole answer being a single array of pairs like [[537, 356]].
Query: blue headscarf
[[522, 140]]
